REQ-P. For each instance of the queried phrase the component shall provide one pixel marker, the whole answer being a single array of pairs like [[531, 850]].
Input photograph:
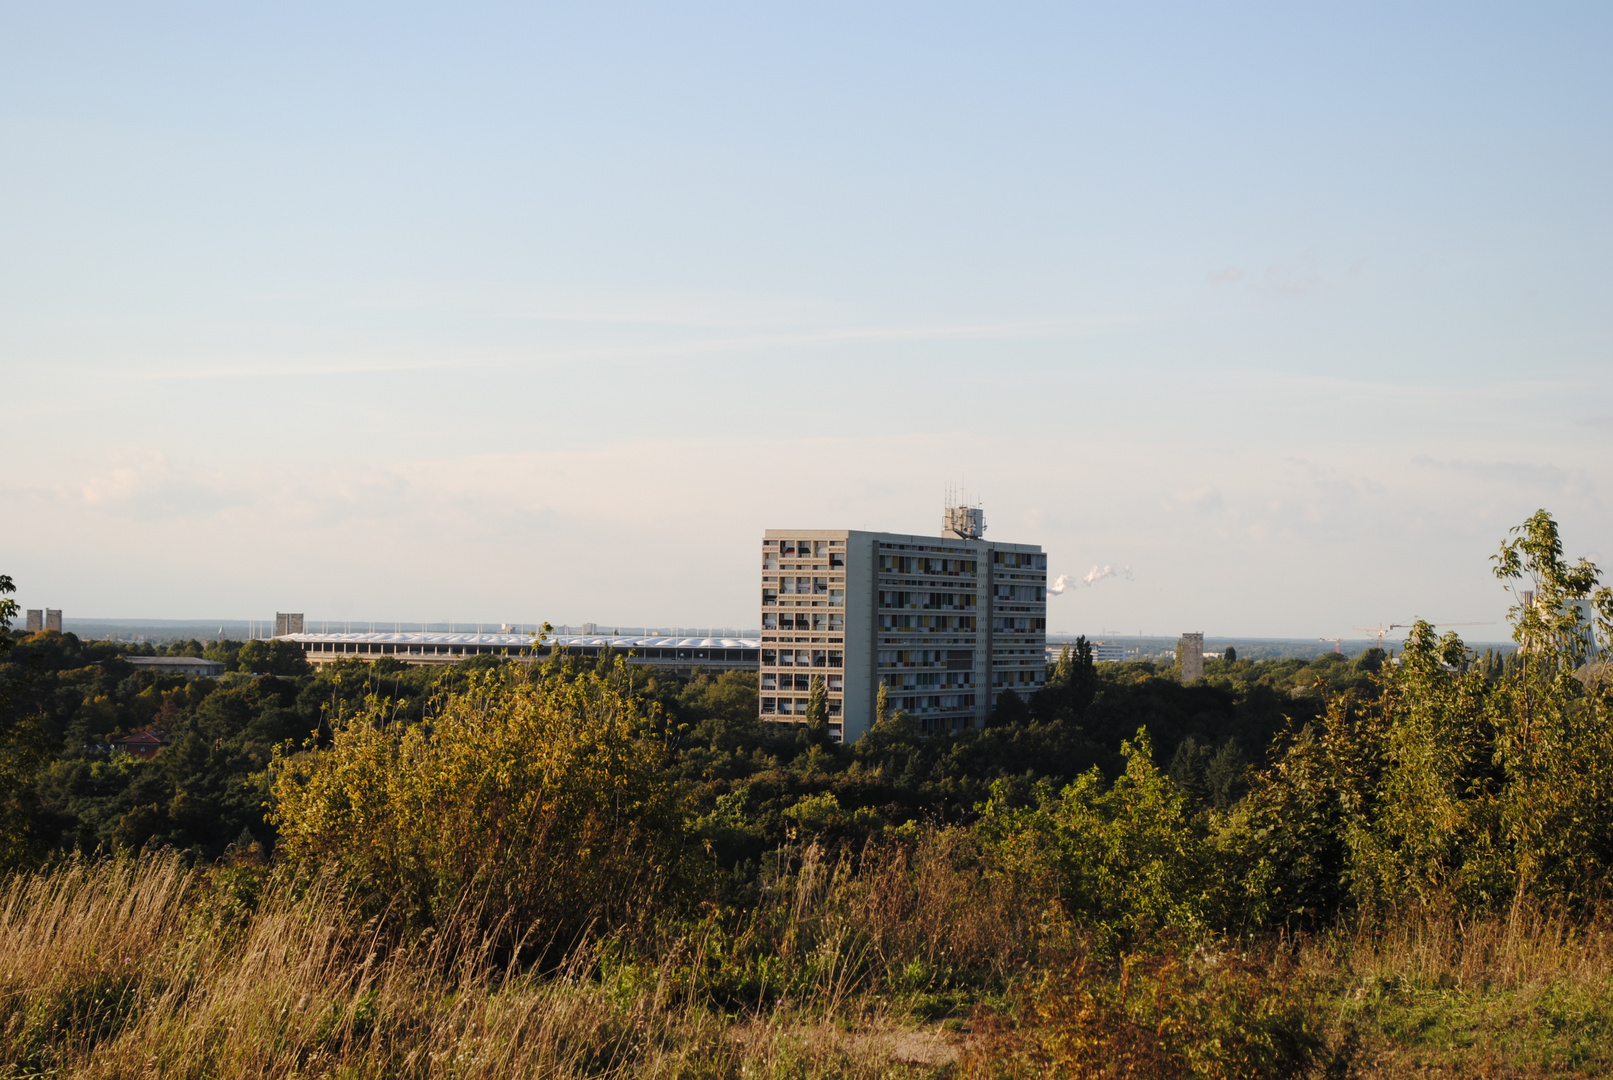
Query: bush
[[1127, 860], [1209, 1015], [544, 804]]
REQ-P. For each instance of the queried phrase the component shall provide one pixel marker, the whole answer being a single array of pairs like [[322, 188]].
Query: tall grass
[[142, 967], [1528, 994]]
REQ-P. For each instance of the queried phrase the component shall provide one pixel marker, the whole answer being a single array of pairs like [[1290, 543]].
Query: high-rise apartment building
[[947, 623]]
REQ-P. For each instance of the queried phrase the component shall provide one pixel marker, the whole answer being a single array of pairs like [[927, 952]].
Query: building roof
[[141, 738], [526, 641], [173, 662]]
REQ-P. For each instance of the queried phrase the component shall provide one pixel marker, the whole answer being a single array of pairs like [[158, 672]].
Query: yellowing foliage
[[543, 802]]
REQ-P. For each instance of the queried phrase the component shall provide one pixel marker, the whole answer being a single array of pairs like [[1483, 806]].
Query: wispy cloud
[[651, 351], [1528, 474]]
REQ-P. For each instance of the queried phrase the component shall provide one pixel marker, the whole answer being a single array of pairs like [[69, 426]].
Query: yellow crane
[[1381, 629]]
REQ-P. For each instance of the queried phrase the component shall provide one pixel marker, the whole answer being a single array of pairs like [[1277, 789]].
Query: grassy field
[[142, 967]]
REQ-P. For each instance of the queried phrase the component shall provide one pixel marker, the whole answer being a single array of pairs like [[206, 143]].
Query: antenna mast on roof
[[959, 519]]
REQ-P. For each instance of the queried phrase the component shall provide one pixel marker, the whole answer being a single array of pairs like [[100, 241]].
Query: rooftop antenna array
[[959, 518]]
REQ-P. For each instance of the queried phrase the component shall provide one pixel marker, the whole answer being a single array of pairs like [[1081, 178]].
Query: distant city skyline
[[430, 314]]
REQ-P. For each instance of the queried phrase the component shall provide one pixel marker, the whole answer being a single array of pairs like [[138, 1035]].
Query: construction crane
[[1338, 643], [1381, 630]]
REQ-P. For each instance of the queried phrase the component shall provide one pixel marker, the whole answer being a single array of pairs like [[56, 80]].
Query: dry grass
[[1529, 995], [139, 968], [136, 968]]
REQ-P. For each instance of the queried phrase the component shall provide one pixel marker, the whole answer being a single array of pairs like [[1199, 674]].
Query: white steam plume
[[1098, 574]]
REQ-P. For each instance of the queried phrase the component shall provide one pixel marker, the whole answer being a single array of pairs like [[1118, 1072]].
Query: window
[[820, 658], [818, 620], [787, 547], [834, 707], [770, 621], [837, 621], [769, 705], [769, 658], [837, 560], [837, 684], [820, 548], [770, 561], [835, 658], [769, 681], [819, 585], [769, 597], [837, 597], [786, 657]]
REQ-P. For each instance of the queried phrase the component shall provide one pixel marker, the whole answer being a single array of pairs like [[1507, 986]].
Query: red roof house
[[144, 744]]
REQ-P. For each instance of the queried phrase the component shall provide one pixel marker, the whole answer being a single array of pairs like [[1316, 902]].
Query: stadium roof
[[526, 641]]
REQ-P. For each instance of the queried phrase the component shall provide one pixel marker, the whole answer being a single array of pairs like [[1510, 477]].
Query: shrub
[[543, 803], [1126, 860], [1209, 1015]]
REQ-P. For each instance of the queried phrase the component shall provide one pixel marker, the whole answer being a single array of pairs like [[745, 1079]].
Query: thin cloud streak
[[665, 350]]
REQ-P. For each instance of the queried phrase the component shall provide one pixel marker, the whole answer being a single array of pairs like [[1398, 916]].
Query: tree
[[1010, 709], [8, 611], [1555, 725], [1230, 656], [817, 711], [274, 657]]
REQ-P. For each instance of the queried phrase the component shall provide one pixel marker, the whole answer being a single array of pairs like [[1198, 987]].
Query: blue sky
[[487, 313]]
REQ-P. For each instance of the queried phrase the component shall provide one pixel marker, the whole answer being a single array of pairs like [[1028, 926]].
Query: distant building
[[684, 655], [1192, 650], [145, 744], [53, 619], [1104, 653], [36, 620], [285, 623], [946, 623], [177, 665]]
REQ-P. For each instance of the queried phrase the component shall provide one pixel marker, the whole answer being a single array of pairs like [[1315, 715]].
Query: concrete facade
[[1192, 650], [36, 620], [53, 619], [946, 623]]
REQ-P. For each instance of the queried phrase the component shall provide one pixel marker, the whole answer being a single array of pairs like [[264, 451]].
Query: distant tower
[[53, 619], [36, 620], [1192, 657], [286, 623]]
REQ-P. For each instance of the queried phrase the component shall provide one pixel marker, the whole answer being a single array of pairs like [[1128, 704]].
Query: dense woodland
[[207, 790], [1284, 869]]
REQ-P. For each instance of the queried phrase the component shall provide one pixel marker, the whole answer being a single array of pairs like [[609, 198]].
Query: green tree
[[817, 712], [24, 748], [273, 657], [8, 610], [1555, 717], [1128, 859]]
